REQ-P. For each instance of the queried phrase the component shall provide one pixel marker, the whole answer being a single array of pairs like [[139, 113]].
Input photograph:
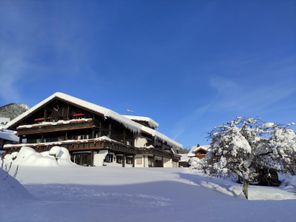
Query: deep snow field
[[89, 194]]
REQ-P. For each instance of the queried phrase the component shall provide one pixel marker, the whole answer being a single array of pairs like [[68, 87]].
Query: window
[[139, 161], [119, 159], [84, 158], [109, 158], [129, 160], [150, 161], [83, 137]]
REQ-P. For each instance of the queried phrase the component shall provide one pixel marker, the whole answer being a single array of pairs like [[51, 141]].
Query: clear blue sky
[[190, 65]]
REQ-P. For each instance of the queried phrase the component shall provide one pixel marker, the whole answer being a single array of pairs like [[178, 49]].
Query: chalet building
[[94, 135], [195, 154], [198, 151]]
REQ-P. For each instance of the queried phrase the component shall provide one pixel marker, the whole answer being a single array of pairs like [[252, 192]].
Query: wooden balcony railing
[[76, 145], [93, 145], [53, 127]]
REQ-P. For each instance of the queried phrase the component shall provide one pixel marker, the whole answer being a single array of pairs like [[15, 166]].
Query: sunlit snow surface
[[130, 194]]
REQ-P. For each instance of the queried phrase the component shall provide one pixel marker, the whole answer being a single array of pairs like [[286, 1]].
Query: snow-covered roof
[[150, 121], [191, 153], [132, 125], [60, 122], [8, 135]]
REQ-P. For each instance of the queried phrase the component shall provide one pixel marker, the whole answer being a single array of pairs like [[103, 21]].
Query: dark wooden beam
[[123, 160], [109, 130]]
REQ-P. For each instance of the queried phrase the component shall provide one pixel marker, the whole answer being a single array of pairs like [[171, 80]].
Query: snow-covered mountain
[[10, 111]]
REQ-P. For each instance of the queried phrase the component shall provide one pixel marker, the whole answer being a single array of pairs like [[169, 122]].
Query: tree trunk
[[245, 189]]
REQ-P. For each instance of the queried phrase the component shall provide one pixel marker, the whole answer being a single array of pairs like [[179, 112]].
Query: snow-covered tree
[[231, 152], [251, 150], [283, 146]]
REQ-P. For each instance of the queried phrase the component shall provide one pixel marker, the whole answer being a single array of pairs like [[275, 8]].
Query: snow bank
[[227, 186], [11, 189], [134, 194], [27, 156], [289, 183]]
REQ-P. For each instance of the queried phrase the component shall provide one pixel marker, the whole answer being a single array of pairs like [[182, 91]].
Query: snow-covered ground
[[89, 194]]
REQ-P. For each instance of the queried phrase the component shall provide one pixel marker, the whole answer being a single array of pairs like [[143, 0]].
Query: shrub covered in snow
[[27, 156], [283, 146], [251, 150]]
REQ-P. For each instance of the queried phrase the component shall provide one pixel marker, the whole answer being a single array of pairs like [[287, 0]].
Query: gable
[[53, 110]]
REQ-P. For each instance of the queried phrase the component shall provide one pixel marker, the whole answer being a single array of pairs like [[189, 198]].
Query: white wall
[[175, 164], [167, 162], [140, 141], [99, 157]]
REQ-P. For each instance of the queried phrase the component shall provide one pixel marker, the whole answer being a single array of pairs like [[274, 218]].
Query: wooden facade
[[83, 130], [200, 153]]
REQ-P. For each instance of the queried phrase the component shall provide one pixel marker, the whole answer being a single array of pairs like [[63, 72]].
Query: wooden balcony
[[76, 145], [156, 152], [47, 127], [93, 145]]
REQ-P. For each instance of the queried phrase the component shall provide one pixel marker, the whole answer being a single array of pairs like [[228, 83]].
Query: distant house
[[195, 154], [198, 151], [94, 135]]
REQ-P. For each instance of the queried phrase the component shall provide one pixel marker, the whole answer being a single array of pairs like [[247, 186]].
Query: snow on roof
[[150, 121], [60, 122], [132, 125], [8, 135], [191, 153]]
